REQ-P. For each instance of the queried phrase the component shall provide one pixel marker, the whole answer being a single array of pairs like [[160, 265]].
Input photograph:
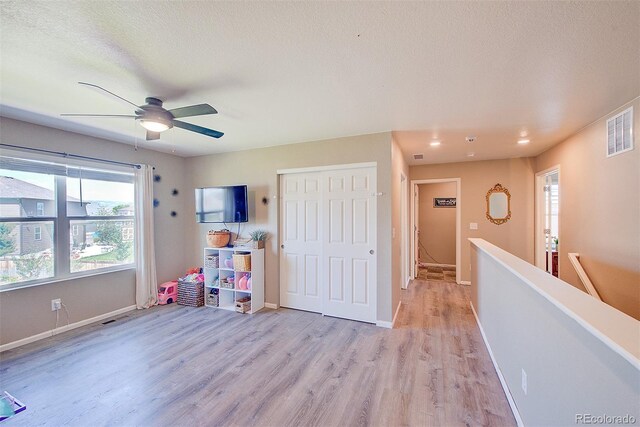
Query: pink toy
[[242, 283], [249, 283], [228, 263], [168, 292]]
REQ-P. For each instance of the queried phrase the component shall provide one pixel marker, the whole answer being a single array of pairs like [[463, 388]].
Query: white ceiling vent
[[418, 156], [620, 133]]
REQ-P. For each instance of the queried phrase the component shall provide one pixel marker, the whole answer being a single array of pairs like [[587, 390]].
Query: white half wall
[[581, 357]]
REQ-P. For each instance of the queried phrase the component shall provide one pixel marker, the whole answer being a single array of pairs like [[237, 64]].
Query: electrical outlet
[[56, 304], [524, 382], [473, 226]]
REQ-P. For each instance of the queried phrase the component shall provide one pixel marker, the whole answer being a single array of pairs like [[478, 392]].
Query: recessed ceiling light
[[523, 141], [434, 143], [470, 139]]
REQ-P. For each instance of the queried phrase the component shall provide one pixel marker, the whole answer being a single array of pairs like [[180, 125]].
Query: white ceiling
[[285, 72]]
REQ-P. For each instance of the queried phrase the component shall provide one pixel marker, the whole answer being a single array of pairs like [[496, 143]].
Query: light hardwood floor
[[176, 365]]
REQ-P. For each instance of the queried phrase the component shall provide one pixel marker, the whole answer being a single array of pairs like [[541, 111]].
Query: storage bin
[[243, 305], [242, 262], [213, 300], [212, 261], [191, 293]]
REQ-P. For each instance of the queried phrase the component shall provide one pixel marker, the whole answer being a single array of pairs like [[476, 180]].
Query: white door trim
[[327, 168], [539, 240], [414, 184], [404, 248]]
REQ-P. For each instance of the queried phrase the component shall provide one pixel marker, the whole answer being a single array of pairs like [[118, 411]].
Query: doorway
[[547, 220], [428, 246]]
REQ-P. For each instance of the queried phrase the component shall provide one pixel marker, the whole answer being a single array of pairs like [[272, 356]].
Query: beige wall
[[437, 225], [258, 170], [399, 168], [600, 212], [27, 312], [515, 236]]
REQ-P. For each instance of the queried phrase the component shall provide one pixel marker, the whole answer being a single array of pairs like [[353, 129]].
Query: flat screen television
[[222, 204]]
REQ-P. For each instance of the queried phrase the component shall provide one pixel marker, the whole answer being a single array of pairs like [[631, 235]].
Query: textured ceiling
[[283, 72]]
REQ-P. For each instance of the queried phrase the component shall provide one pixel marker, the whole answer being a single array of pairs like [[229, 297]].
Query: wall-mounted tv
[[222, 204]]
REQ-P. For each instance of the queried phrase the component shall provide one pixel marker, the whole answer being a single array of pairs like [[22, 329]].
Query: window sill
[[13, 287]]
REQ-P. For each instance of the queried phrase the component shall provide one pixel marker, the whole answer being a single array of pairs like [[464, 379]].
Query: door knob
[[372, 251], [282, 246]]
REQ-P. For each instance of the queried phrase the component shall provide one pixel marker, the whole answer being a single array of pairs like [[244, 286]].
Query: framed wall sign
[[444, 202]]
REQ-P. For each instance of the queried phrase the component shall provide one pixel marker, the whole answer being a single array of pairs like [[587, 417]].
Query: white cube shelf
[[227, 297]]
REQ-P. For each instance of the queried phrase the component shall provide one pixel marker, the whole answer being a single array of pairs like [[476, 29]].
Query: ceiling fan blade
[[98, 115], [109, 92], [196, 128], [152, 135], [193, 110]]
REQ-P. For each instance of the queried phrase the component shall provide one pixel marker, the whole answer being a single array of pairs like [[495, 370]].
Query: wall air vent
[[620, 133], [418, 156]]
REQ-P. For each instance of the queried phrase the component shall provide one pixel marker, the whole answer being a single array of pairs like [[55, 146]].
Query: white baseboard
[[61, 329], [512, 403], [271, 306], [390, 325], [465, 282]]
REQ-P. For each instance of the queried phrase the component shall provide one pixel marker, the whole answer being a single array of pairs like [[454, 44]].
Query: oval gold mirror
[[498, 204]]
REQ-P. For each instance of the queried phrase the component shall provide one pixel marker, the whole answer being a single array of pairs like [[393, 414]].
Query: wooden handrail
[[575, 261]]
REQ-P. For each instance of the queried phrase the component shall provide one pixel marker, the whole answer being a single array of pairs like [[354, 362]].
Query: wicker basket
[[218, 239], [242, 262], [190, 293]]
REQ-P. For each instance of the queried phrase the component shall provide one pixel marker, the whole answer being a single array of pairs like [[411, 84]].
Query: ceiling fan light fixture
[[154, 125]]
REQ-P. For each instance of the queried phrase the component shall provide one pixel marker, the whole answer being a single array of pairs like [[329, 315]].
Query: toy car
[[168, 292]]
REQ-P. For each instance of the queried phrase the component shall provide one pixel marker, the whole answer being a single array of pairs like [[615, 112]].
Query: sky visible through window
[[92, 190]]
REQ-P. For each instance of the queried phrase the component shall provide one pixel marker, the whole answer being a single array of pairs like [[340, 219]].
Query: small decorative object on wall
[[444, 202], [258, 237], [498, 204], [174, 192], [174, 213], [157, 178], [156, 203], [265, 201]]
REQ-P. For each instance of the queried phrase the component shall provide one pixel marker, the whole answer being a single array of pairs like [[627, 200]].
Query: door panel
[[356, 246], [300, 275]]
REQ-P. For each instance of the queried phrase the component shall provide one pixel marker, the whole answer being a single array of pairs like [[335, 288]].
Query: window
[[97, 214], [620, 133]]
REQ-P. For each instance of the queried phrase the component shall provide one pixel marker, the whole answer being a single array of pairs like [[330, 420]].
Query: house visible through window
[[98, 214]]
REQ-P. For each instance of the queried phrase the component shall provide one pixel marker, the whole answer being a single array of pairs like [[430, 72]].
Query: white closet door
[[301, 241], [349, 260]]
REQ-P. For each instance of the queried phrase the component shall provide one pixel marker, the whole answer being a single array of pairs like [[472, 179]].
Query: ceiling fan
[[155, 118]]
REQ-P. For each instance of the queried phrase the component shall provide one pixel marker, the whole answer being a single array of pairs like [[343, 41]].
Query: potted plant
[[258, 237]]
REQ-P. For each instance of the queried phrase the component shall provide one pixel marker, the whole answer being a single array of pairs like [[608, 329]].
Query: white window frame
[[61, 241], [37, 232], [74, 229], [39, 208], [613, 119]]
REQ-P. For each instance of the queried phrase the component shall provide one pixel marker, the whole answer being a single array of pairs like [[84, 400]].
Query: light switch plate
[[473, 226]]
